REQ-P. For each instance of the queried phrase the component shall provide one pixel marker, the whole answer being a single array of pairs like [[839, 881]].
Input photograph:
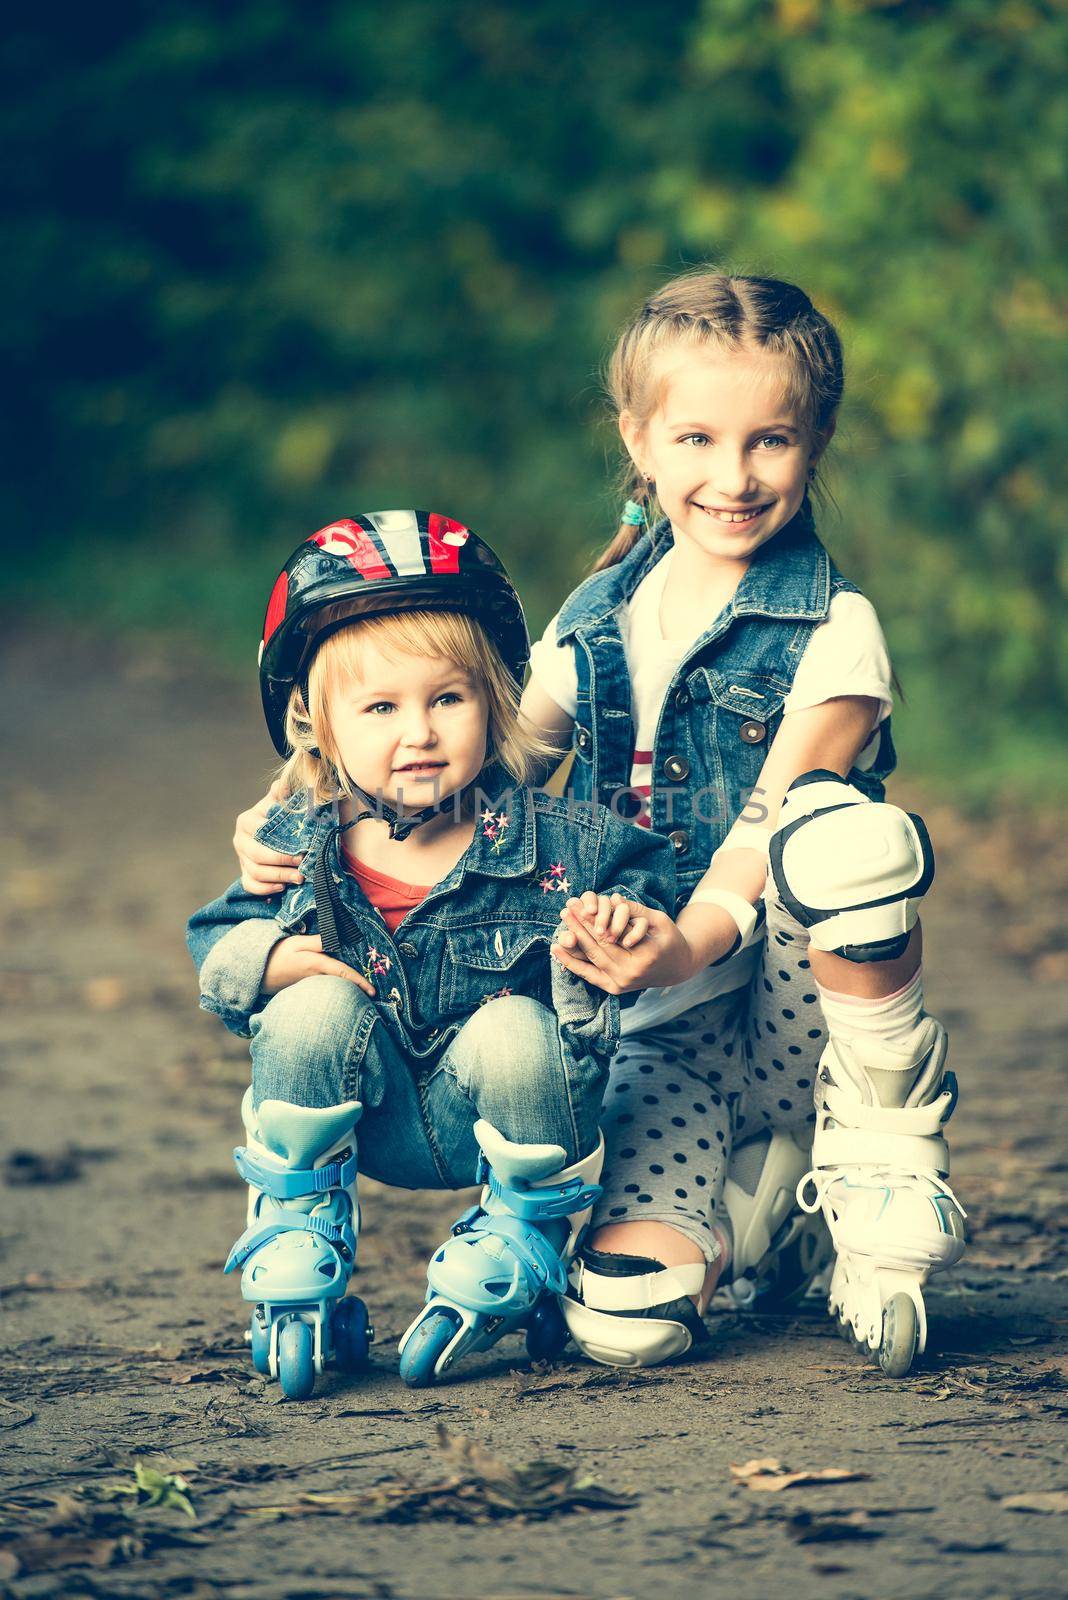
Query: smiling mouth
[[732, 517]]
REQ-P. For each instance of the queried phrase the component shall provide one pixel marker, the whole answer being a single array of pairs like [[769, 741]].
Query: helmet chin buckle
[[400, 825]]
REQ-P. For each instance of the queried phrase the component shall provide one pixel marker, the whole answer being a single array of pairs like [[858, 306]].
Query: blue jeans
[[321, 1041]]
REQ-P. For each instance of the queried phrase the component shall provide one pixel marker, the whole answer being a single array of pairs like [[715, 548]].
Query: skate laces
[[820, 1180]]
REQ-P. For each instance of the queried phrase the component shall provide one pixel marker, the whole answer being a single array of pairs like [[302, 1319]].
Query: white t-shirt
[[846, 654]]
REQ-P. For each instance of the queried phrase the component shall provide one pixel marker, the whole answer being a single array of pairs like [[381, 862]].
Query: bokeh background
[[272, 262]]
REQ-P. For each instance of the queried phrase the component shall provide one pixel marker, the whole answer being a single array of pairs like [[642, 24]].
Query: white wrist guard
[[744, 916], [852, 869]]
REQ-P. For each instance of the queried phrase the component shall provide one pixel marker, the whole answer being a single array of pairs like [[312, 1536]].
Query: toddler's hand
[[301, 956], [263, 871], [609, 919]]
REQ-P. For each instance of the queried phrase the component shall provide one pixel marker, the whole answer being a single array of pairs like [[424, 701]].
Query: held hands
[[301, 956], [619, 946], [263, 871]]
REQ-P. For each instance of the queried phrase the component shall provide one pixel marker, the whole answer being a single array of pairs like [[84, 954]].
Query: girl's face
[[411, 728], [729, 458]]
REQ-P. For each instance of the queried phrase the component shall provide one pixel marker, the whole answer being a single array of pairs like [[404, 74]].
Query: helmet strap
[[400, 824]]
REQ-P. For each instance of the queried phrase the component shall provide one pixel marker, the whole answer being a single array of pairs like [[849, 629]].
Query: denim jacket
[[483, 931], [724, 705]]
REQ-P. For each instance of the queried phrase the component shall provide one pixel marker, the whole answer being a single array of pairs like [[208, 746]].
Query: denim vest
[[724, 705]]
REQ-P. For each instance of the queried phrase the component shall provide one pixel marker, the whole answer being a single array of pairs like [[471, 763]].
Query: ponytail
[[637, 518]]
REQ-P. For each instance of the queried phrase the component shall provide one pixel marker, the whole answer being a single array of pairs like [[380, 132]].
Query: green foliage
[[271, 262]]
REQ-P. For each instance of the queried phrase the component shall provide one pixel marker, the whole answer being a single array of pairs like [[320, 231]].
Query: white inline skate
[[299, 1249], [878, 1175]]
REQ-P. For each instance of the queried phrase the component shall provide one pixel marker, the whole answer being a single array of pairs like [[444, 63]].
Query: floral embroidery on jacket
[[498, 994], [376, 964], [555, 880], [494, 827]]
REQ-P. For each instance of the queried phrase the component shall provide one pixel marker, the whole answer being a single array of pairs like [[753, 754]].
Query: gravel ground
[[122, 1341]]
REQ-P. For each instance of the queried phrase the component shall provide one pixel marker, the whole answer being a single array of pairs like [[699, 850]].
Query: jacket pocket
[[493, 959]]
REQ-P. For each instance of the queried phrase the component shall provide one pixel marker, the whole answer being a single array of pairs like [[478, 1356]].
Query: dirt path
[[122, 1341]]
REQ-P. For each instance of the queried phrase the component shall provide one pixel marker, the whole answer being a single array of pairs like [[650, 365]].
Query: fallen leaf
[[770, 1475], [150, 1487], [1047, 1501]]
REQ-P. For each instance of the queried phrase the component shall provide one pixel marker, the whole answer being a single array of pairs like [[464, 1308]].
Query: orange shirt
[[388, 895]]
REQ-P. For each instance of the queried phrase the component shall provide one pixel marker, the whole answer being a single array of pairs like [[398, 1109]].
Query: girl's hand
[[657, 954], [301, 956], [263, 871]]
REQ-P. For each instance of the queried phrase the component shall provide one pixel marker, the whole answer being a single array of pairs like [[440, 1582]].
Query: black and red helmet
[[387, 561]]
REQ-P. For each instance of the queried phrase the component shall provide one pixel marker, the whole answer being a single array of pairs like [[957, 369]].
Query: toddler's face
[[729, 458], [412, 728]]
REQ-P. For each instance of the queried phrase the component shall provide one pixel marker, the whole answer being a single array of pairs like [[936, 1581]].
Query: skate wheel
[[547, 1332], [351, 1334], [296, 1360], [901, 1335], [260, 1343], [420, 1355]]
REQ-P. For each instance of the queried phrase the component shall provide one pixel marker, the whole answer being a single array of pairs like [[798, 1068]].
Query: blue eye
[[773, 439], [381, 705], [688, 438], [450, 695]]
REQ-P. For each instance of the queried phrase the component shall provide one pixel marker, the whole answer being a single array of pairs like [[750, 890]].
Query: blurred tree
[[271, 261]]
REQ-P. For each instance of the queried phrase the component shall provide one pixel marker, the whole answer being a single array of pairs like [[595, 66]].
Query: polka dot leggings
[[682, 1095]]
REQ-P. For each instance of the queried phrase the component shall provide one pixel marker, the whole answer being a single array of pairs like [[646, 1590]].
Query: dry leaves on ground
[[480, 1488], [48, 1532], [770, 1475]]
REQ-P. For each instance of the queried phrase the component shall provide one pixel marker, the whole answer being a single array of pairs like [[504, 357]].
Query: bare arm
[[551, 721], [829, 735], [593, 941]]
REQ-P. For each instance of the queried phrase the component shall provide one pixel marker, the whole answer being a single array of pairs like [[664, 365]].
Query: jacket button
[[583, 740], [407, 949], [753, 732], [677, 768], [434, 1033], [680, 839], [682, 699]]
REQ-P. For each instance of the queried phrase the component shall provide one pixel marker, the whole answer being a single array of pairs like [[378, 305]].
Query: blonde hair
[[703, 308], [315, 763]]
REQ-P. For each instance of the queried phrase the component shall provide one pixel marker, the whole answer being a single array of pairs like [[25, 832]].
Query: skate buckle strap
[[881, 1150], [293, 1183], [545, 1202], [640, 1291], [257, 1234], [467, 1219], [919, 1121], [536, 1264]]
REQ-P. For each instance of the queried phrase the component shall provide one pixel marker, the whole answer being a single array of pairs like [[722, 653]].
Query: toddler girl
[[401, 998]]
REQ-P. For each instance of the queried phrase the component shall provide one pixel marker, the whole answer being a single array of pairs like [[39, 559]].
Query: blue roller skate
[[506, 1260], [299, 1249]]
